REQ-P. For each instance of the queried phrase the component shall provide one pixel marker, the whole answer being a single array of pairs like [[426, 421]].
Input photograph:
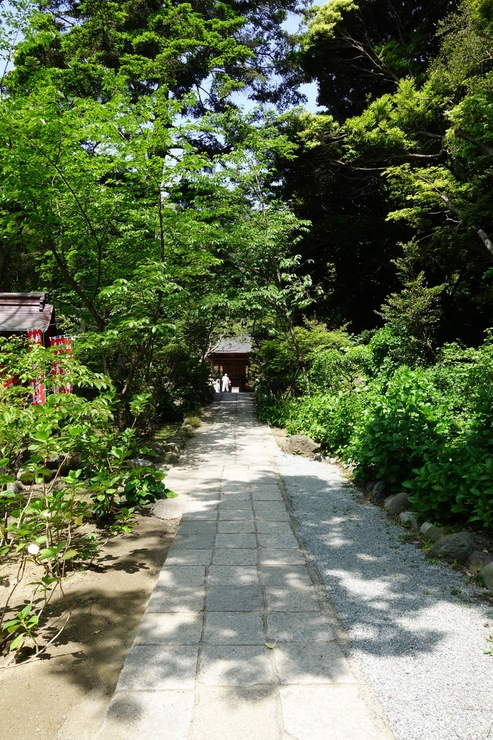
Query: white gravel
[[418, 631]]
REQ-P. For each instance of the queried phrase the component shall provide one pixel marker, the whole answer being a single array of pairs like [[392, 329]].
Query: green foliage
[[23, 626], [428, 428], [340, 369], [271, 408], [276, 358], [412, 316], [360, 49], [143, 486], [193, 421], [336, 378], [330, 420], [72, 467], [405, 418]]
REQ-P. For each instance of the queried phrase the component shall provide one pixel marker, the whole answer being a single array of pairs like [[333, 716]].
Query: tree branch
[[468, 137]]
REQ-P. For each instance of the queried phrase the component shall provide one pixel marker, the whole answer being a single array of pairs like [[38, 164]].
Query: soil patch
[[65, 693]]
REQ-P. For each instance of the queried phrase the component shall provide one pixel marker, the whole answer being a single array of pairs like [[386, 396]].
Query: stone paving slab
[[235, 665], [235, 557], [231, 575], [304, 627], [153, 715], [245, 713], [329, 713], [161, 628], [235, 579], [234, 628], [159, 667]]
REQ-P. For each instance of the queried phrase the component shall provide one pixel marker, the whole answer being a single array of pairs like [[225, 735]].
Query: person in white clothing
[[225, 382]]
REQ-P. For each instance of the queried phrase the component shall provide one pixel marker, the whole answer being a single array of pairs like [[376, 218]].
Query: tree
[[414, 164], [358, 50], [205, 47]]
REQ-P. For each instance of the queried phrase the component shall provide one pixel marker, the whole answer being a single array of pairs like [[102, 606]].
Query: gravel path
[[417, 631]]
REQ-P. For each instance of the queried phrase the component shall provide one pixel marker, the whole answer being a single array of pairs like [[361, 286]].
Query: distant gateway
[[232, 356]]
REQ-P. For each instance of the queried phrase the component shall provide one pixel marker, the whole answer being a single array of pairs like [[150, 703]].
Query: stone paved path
[[236, 578]]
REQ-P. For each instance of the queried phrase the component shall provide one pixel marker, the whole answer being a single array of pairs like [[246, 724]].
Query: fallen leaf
[[271, 645]]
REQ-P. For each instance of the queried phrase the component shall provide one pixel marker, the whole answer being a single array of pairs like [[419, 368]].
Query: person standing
[[225, 383]]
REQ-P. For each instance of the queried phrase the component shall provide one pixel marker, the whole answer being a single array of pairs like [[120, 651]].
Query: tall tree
[[357, 50], [206, 47]]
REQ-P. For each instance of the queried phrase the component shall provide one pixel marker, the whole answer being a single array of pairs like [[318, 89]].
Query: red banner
[[35, 336], [63, 347]]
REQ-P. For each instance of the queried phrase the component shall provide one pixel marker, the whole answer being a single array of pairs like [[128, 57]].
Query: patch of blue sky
[[292, 24]]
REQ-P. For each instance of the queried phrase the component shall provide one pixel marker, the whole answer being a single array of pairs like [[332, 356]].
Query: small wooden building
[[27, 313], [232, 356]]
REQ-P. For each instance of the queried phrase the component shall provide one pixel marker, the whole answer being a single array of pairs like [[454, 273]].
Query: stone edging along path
[[239, 641]]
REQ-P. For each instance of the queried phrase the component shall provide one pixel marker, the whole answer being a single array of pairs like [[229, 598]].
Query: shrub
[[405, 418], [330, 420], [74, 468]]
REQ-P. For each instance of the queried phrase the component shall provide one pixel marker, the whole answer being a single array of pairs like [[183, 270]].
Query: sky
[[310, 89]]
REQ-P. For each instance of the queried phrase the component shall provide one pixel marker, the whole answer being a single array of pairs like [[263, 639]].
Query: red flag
[[64, 347], [35, 336]]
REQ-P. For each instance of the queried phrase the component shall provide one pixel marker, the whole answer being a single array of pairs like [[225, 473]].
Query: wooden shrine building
[[232, 356], [27, 313]]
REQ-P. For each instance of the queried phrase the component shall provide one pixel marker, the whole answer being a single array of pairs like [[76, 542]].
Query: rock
[[378, 490], [396, 504], [139, 462], [408, 518], [178, 439], [171, 458], [25, 476], [71, 462], [318, 457], [17, 486], [481, 542], [487, 576], [169, 508], [454, 547], [431, 533], [172, 447], [58, 485], [478, 560], [332, 460], [369, 485], [52, 463], [298, 444]]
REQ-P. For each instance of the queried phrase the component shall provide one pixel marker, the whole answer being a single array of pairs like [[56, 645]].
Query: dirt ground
[[64, 694]]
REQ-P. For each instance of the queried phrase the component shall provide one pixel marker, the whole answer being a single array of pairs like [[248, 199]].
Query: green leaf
[[18, 640], [69, 555]]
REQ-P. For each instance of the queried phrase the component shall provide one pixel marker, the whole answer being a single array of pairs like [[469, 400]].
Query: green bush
[[72, 462], [334, 370], [403, 419], [271, 409], [330, 420], [429, 429], [275, 362]]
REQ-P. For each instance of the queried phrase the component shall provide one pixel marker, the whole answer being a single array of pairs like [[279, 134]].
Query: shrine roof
[[20, 312], [234, 345]]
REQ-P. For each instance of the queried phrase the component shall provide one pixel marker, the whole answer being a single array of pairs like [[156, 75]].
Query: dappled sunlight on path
[[236, 643]]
